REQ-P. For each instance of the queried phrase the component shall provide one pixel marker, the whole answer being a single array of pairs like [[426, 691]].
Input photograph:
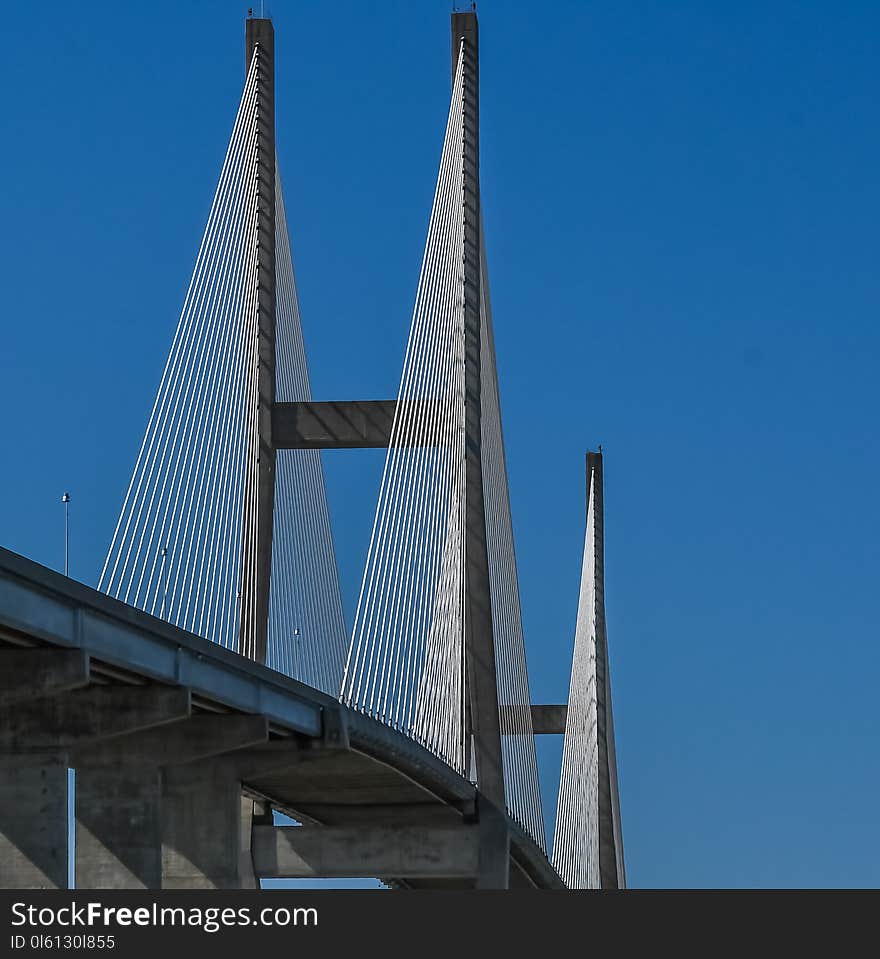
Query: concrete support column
[[120, 810], [203, 843], [493, 862], [33, 821], [118, 827], [253, 813]]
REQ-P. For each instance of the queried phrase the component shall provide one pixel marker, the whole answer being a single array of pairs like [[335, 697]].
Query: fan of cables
[[406, 661], [177, 549]]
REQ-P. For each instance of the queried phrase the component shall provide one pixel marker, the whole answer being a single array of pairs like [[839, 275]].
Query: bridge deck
[[317, 761]]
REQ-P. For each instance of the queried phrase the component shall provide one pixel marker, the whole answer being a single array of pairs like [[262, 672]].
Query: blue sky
[[681, 205]]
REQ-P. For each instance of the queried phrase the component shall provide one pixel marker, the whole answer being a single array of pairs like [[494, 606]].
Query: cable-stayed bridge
[[211, 679]]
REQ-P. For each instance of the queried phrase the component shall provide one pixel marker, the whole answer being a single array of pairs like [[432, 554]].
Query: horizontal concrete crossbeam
[[549, 720], [88, 715], [185, 741], [545, 720], [34, 673], [355, 424], [405, 852]]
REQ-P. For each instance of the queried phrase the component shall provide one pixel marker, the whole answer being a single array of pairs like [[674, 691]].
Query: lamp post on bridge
[[65, 498], [163, 553]]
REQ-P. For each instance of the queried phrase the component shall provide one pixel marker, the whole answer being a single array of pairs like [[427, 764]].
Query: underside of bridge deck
[[181, 749]]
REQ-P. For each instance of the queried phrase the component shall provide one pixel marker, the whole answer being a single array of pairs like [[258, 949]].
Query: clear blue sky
[[682, 204]]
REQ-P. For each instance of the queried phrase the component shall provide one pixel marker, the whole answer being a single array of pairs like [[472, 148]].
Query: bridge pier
[[425, 853], [180, 827], [145, 828], [493, 861], [118, 827], [206, 829], [33, 821], [131, 807]]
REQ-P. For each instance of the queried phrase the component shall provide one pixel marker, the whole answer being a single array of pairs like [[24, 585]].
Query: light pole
[[164, 554], [66, 500], [297, 664], [71, 774]]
